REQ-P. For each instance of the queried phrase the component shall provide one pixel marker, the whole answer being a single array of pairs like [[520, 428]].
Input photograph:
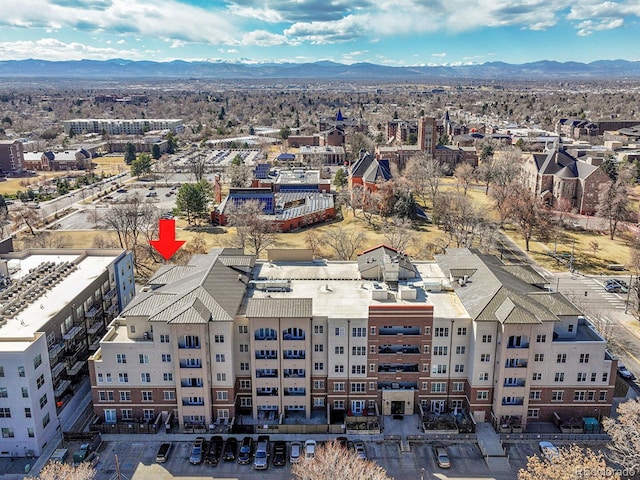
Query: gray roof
[[370, 262], [559, 163], [279, 308]]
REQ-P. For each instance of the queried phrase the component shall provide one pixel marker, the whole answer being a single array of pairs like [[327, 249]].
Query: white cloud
[[441, 55], [53, 49]]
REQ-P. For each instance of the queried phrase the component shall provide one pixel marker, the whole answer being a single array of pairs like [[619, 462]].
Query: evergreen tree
[[129, 153]]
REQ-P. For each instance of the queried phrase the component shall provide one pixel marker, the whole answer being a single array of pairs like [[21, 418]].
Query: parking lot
[[137, 462]]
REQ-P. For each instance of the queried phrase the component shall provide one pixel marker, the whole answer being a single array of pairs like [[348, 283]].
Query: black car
[[229, 450], [163, 453], [214, 451], [246, 450], [279, 453]]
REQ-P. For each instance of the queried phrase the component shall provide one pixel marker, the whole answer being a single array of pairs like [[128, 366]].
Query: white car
[[296, 452], [550, 451], [310, 448], [360, 451]]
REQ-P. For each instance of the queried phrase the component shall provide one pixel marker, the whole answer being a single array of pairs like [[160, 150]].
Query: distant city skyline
[[409, 32]]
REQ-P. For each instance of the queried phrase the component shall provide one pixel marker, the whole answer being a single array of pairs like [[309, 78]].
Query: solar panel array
[[266, 199], [262, 171]]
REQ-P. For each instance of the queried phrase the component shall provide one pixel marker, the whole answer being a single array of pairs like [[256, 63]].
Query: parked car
[[550, 451], [295, 452], [122, 190], [624, 372], [442, 457], [163, 453], [229, 450], [197, 451], [212, 457], [246, 451], [261, 457], [360, 451], [279, 453], [310, 448]]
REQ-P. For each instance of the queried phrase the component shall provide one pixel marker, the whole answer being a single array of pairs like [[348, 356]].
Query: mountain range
[[128, 69]]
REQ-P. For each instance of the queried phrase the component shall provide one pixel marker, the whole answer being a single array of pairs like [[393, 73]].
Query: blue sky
[[399, 32]]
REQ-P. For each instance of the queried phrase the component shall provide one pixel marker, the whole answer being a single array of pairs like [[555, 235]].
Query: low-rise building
[[112, 126]]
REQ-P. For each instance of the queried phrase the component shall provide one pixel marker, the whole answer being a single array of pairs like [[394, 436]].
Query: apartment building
[[11, 156], [294, 338], [135, 126], [55, 305]]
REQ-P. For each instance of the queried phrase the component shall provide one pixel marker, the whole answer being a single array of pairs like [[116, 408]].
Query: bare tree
[[344, 243], [624, 431], [65, 471], [572, 463], [463, 223], [463, 173], [425, 174], [164, 168], [94, 216], [25, 216], [526, 211], [505, 185], [313, 242], [239, 175], [45, 239], [613, 198], [397, 233], [253, 229], [332, 461]]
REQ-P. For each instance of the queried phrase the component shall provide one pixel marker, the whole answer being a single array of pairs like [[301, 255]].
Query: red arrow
[[167, 245]]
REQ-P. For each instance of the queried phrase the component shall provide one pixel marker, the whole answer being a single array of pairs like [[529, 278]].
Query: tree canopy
[[193, 200]]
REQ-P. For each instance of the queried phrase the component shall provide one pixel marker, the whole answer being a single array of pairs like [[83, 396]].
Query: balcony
[[75, 368], [267, 373], [73, 333], [62, 387], [295, 392], [265, 334], [515, 363], [112, 309], [195, 363], [186, 402], [514, 382], [94, 311], [58, 369], [395, 349], [293, 354], [512, 401], [397, 367], [95, 328], [397, 385], [293, 334], [399, 330], [55, 350], [267, 392], [109, 295], [266, 355], [189, 345], [516, 341], [294, 373], [191, 382]]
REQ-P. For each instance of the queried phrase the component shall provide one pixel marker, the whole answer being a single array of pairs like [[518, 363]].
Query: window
[[358, 369], [222, 395], [485, 357], [372, 349], [219, 357], [425, 367], [37, 361], [123, 377], [541, 338], [582, 377], [536, 376], [459, 368], [358, 387], [534, 395], [427, 330], [570, 328], [243, 329], [372, 385], [318, 347], [218, 339], [166, 357], [164, 338], [148, 413], [533, 412], [27, 412], [440, 350], [21, 372], [43, 400], [594, 375], [338, 368], [244, 366], [318, 384], [427, 349], [486, 338], [168, 395], [318, 329], [441, 332], [602, 397], [221, 377], [358, 350], [557, 396], [25, 392], [458, 386], [45, 420], [538, 357], [132, 328], [127, 414], [438, 387], [559, 377], [338, 404], [191, 341], [372, 367], [109, 379], [100, 378], [5, 412], [605, 376], [244, 348], [579, 396], [425, 385], [40, 381], [339, 331], [584, 358], [439, 369], [338, 387], [318, 366], [483, 377], [561, 358], [461, 349], [462, 330], [167, 377], [102, 396], [482, 395], [121, 358], [339, 350], [372, 330], [358, 332], [30, 432], [591, 396], [125, 396], [1, 372], [144, 358]]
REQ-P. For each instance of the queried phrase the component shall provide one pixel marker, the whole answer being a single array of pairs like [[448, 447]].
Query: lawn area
[[110, 165]]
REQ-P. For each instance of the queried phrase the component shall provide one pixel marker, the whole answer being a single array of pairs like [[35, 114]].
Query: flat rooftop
[[338, 291], [53, 298]]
